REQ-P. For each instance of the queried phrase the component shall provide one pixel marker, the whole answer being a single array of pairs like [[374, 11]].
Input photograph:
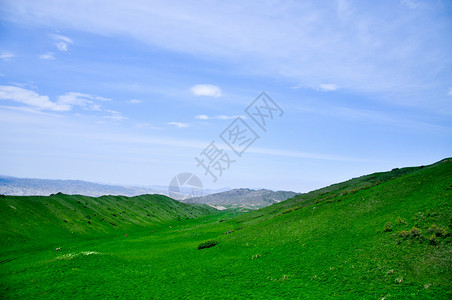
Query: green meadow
[[384, 235]]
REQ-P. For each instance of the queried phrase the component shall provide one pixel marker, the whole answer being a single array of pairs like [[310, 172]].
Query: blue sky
[[130, 92]]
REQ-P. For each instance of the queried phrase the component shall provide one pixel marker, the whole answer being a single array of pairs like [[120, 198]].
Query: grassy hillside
[[386, 235], [40, 218]]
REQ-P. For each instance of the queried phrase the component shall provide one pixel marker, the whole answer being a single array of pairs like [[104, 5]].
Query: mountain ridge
[[244, 197]]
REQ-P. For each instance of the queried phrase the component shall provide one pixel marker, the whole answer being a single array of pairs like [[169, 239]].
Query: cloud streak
[[48, 56], [7, 56], [220, 117], [179, 124]]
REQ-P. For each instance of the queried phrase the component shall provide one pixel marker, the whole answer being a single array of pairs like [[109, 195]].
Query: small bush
[[388, 227], [432, 240], [400, 221], [415, 232], [207, 244], [404, 234], [438, 231]]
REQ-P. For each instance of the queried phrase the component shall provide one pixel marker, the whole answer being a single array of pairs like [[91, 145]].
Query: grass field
[[385, 235]]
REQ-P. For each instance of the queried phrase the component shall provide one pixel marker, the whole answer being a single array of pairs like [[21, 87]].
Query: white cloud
[[179, 124], [64, 102], [30, 98], [206, 90], [7, 56], [133, 101], [327, 87], [202, 117], [62, 42], [224, 117], [59, 37], [220, 117], [101, 98], [48, 55]]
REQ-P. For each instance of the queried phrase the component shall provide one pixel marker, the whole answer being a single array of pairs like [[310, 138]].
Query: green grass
[[334, 242]]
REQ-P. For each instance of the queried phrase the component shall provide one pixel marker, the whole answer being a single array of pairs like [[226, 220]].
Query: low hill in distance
[[246, 198]]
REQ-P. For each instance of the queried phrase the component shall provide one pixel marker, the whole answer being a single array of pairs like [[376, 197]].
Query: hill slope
[[30, 217], [385, 235], [244, 198]]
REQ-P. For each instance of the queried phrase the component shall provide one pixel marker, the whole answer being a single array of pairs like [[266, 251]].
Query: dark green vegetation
[[382, 235]]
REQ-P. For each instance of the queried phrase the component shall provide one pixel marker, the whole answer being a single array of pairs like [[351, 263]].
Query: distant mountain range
[[244, 197], [222, 197], [44, 187]]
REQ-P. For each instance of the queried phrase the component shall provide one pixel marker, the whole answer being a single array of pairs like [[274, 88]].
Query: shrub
[[388, 227], [432, 240], [415, 232], [438, 231], [400, 221], [404, 234], [207, 244]]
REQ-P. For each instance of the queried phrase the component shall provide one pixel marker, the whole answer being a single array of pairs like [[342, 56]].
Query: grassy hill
[[385, 235], [40, 217]]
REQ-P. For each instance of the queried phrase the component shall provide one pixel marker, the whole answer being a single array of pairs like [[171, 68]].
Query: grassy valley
[[384, 235]]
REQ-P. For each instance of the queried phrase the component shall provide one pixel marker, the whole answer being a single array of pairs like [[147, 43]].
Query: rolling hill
[[380, 236], [36, 217]]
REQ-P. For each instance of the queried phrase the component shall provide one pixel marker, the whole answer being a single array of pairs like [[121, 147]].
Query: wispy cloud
[[62, 42], [179, 124], [450, 91], [411, 4], [7, 56], [220, 117], [206, 90], [48, 55], [115, 115], [79, 99], [345, 42], [202, 117], [133, 101], [328, 87]]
